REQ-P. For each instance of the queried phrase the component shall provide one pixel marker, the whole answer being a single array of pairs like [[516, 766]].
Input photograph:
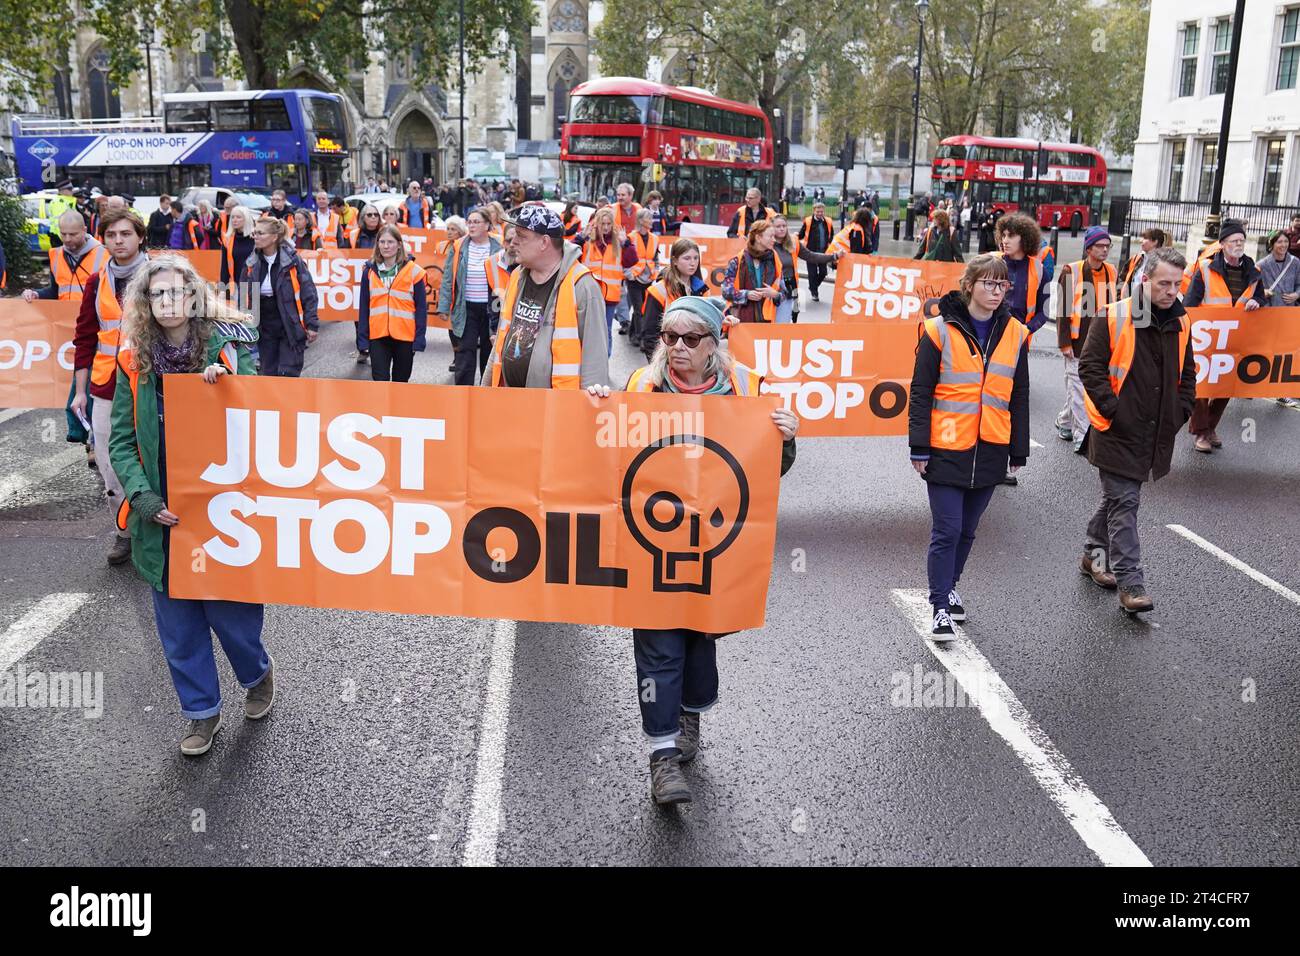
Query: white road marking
[[485, 805], [1237, 563], [15, 483], [8, 414], [42, 620], [1035, 444], [1014, 724]]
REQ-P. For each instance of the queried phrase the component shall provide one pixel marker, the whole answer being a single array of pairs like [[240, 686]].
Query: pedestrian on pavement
[[304, 230], [606, 253], [363, 234], [280, 207], [638, 278], [679, 663], [417, 209], [286, 298], [681, 277], [789, 251], [816, 234], [752, 283], [1140, 385], [1228, 278], [1087, 288], [939, 241], [236, 246], [466, 296], [751, 212], [553, 319], [1131, 274], [160, 223], [1279, 273], [393, 309], [968, 421], [176, 324], [96, 341]]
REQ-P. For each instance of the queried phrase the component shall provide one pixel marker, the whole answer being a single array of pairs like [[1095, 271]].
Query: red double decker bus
[[700, 151], [992, 171]]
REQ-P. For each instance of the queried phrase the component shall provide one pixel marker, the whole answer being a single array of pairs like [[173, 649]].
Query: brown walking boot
[[1100, 576], [1135, 600]]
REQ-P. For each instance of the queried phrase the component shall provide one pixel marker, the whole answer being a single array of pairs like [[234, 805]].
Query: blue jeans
[[676, 670], [185, 627], [624, 313], [611, 309], [956, 513]]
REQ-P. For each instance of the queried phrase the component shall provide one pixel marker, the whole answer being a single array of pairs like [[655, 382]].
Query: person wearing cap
[[1228, 278], [552, 323], [679, 663], [1086, 288]]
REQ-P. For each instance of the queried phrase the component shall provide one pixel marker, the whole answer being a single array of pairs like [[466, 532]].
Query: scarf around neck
[[714, 386], [121, 273], [171, 359]]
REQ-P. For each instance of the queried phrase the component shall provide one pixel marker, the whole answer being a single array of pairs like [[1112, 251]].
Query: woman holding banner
[[681, 664], [968, 418], [286, 304], [393, 309], [752, 284], [681, 277], [236, 245], [176, 324], [789, 249]]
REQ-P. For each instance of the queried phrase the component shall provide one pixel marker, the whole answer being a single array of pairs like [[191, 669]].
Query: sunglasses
[[690, 339], [375, 214]]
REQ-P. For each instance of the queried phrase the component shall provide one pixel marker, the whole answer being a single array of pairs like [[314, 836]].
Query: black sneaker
[[622, 329], [956, 610], [941, 630], [667, 782], [1010, 479], [688, 740], [363, 357]]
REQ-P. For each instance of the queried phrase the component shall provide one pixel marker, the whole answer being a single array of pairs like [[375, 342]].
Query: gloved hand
[[147, 505]]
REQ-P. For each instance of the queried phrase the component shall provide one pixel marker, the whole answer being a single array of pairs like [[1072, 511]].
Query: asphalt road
[[406, 740]]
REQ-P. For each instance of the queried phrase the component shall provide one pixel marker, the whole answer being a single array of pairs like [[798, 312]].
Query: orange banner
[[841, 380], [641, 510], [881, 289], [714, 256], [36, 352], [206, 262], [1246, 354]]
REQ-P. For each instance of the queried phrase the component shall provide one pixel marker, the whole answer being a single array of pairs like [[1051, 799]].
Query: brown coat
[[1153, 405]]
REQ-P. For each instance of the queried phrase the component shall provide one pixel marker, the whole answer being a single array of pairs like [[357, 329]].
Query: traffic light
[[845, 159], [394, 165]]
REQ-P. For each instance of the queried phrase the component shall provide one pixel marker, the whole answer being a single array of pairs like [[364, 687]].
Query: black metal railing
[[1131, 215]]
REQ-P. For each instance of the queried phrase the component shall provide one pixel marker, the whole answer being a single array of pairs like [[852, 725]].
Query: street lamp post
[[922, 6], [1221, 151], [692, 61], [461, 88]]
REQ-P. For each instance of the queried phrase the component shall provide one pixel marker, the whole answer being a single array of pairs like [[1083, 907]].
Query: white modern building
[[1176, 151]]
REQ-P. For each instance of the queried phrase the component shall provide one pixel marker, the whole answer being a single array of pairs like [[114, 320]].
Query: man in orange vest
[[416, 210], [816, 233], [1140, 385], [96, 340], [553, 315], [1086, 288], [751, 212], [328, 223], [625, 215], [1228, 278], [73, 263]]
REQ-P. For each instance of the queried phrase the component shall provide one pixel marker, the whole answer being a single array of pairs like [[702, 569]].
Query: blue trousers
[[676, 670], [185, 628], [610, 309], [955, 514]]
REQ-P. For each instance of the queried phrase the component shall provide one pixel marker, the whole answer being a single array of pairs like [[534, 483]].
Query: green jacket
[[133, 443]]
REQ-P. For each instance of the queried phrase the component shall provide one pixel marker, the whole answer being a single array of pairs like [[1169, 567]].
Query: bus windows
[[270, 115], [324, 116], [186, 117], [608, 109], [286, 176], [655, 113], [230, 115]]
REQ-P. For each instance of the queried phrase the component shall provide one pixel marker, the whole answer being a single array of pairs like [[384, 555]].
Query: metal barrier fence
[[1130, 215]]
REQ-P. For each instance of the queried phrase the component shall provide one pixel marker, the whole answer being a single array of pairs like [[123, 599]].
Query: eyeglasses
[[168, 294], [995, 285], [1104, 246], [689, 339], [375, 214]]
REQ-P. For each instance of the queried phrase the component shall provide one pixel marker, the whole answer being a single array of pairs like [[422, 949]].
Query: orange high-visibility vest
[[1205, 255], [645, 256], [404, 212], [744, 381], [329, 237], [496, 277], [808, 229], [566, 346], [392, 306], [627, 221], [972, 401], [841, 242], [1216, 289], [607, 267], [72, 283], [742, 227], [1033, 277], [1104, 294], [109, 312], [769, 305], [250, 281], [1132, 267], [1123, 342]]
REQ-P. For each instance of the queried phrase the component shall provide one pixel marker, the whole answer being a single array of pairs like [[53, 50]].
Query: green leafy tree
[[13, 236]]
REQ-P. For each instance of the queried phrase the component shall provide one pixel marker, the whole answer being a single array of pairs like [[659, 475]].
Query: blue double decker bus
[[249, 140]]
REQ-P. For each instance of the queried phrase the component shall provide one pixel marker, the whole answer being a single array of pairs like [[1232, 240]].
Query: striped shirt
[[476, 287]]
